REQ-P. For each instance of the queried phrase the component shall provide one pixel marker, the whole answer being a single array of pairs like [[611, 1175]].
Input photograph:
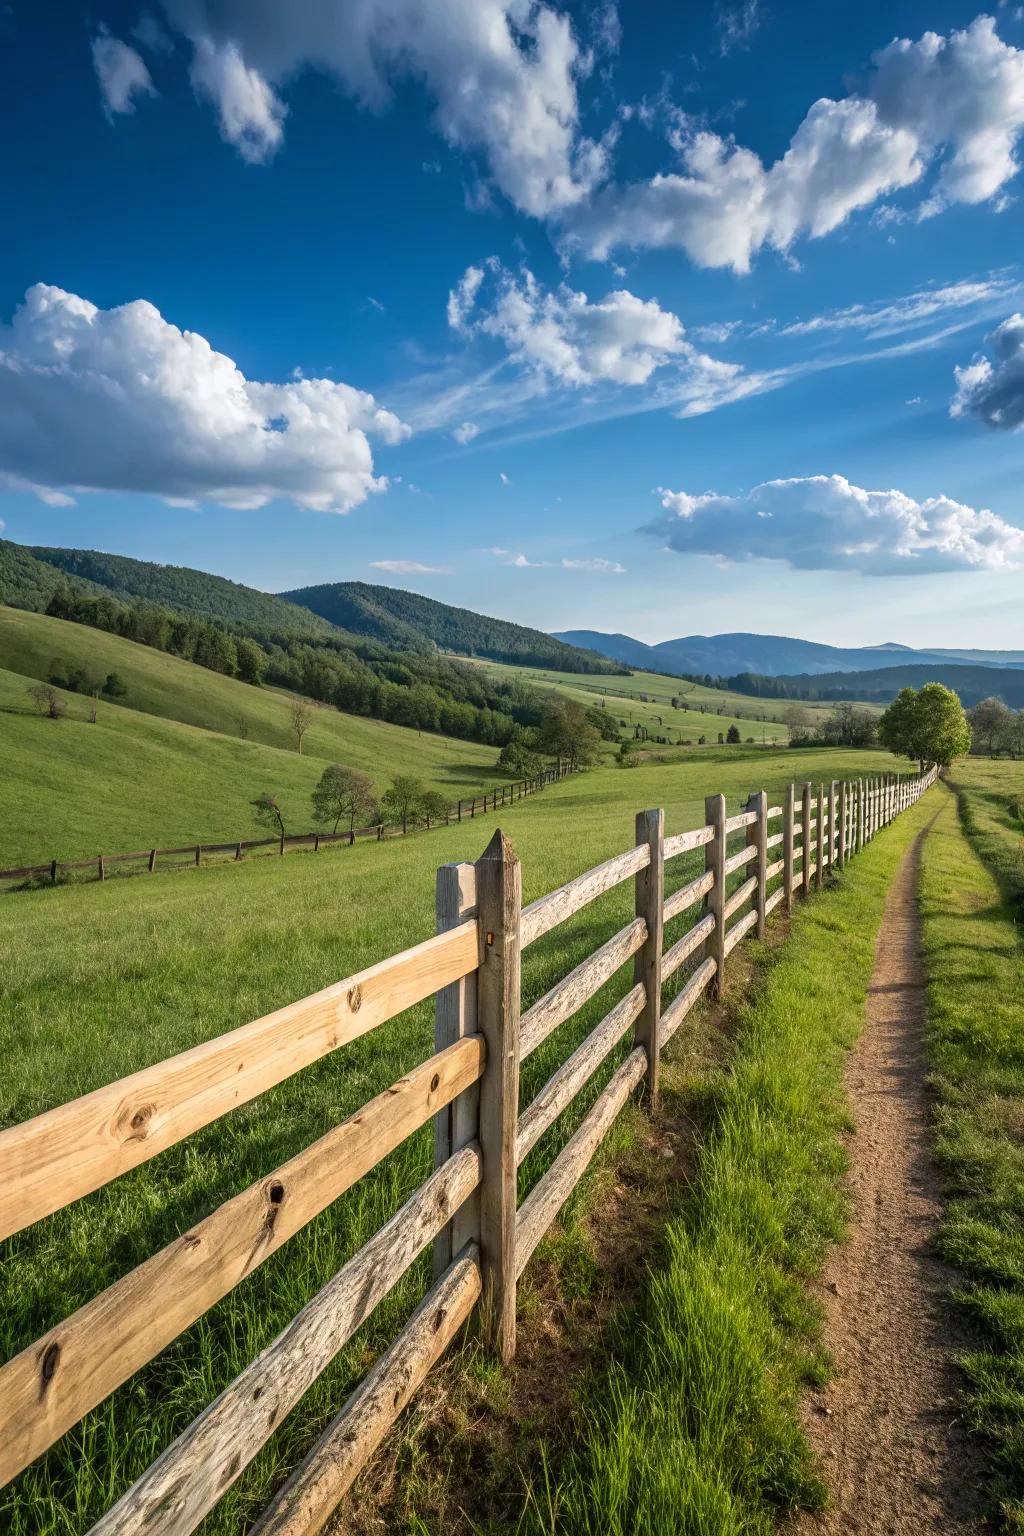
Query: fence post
[[53, 871], [843, 833], [757, 834], [805, 825], [819, 873], [714, 901], [455, 1015], [499, 901], [650, 831], [859, 842], [238, 852], [788, 817], [103, 872]]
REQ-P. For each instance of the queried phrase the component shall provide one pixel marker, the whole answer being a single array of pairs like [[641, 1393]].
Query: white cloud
[[251, 115], [511, 557], [121, 400], [502, 74], [121, 72], [994, 392], [465, 432], [823, 522], [737, 24], [503, 477], [409, 568], [955, 103], [910, 310], [603, 567]]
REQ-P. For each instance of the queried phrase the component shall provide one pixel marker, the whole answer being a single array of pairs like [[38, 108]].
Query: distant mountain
[[400, 618], [879, 687], [770, 655]]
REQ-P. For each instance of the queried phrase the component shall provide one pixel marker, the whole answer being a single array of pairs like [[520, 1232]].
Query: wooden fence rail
[[466, 809], [468, 1209]]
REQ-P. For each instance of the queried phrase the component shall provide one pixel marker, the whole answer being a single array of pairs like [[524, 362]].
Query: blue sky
[[673, 319]]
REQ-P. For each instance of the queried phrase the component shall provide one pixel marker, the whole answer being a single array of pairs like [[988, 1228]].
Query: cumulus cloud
[[994, 391], [503, 75], [121, 72], [561, 339], [409, 568], [822, 522], [465, 432], [121, 400], [955, 103]]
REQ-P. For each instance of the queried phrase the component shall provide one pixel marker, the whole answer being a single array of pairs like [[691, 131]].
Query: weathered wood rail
[[468, 1209], [193, 854]]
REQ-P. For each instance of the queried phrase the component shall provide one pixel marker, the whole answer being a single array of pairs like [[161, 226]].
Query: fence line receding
[[482, 1236]]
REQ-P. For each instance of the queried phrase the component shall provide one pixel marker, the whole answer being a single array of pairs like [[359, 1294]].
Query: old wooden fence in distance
[[194, 853], [468, 1209]]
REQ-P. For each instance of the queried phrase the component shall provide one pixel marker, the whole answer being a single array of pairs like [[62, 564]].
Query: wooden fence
[[482, 1238], [465, 810]]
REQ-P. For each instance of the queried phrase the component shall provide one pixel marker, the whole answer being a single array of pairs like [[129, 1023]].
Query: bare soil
[[893, 1452]]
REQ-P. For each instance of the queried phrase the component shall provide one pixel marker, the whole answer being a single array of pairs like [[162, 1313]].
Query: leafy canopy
[[927, 725]]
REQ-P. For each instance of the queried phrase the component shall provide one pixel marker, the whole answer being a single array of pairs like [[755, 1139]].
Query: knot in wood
[[435, 1082], [355, 999], [48, 1365]]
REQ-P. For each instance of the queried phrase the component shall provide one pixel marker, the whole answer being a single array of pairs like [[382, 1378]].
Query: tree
[[301, 718], [989, 722], [344, 795], [850, 725], [252, 661], [114, 686], [47, 700], [565, 732], [269, 812], [732, 735], [927, 725], [519, 758], [434, 807], [403, 802]]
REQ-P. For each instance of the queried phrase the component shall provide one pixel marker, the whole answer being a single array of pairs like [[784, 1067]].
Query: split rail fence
[[466, 809], [468, 1209]]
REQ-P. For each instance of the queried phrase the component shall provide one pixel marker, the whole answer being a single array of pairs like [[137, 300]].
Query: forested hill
[[396, 617], [881, 686], [26, 582], [180, 588]]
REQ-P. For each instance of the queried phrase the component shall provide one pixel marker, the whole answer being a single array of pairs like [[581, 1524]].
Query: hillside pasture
[[147, 968]]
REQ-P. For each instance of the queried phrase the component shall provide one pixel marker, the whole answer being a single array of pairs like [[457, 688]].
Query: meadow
[[182, 755], [974, 963], [645, 698], [144, 968]]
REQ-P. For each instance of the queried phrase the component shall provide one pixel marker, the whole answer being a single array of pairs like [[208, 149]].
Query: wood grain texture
[[51, 1384], [67, 1152], [649, 907], [311, 1495], [687, 945], [686, 842], [499, 902], [739, 931], [563, 1086], [740, 895], [737, 860], [714, 863], [548, 911], [569, 994], [457, 1124], [182, 1485], [687, 896]]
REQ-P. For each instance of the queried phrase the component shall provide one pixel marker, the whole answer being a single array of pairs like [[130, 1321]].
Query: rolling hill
[[397, 617], [972, 683], [770, 655]]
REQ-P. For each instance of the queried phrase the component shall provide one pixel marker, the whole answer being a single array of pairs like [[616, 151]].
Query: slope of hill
[[769, 655], [26, 582], [972, 683], [397, 617], [180, 587]]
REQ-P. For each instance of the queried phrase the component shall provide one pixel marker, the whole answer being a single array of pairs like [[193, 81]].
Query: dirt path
[[895, 1458]]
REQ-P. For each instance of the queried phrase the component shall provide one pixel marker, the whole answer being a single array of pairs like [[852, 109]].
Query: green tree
[[990, 721], [301, 718], [434, 807], [47, 700], [344, 794], [269, 812], [519, 758], [252, 661], [732, 735], [114, 686], [928, 725], [566, 733], [402, 803]]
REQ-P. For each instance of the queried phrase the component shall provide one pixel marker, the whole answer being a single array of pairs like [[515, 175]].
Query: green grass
[[695, 1431], [991, 792], [974, 964], [169, 764], [102, 979]]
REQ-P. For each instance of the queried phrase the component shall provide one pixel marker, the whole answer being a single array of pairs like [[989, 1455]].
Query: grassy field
[[695, 1430], [991, 793], [645, 698], [170, 764], [103, 979], [974, 963]]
